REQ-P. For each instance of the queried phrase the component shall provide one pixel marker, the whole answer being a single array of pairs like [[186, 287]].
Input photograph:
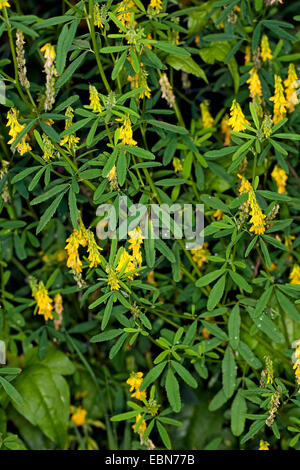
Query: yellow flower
[[254, 83], [126, 260], [71, 140], [177, 165], [156, 5], [112, 279], [82, 237], [200, 256], [4, 3], [291, 84], [295, 274], [139, 80], [247, 54], [266, 52], [94, 99], [14, 131], [219, 215], [280, 177], [207, 119], [237, 119], [135, 380], [78, 417], [97, 16], [49, 51], [135, 242], [123, 12], [142, 427], [264, 445], [44, 302], [288, 240], [126, 132], [280, 103], [225, 129], [296, 361], [257, 217]]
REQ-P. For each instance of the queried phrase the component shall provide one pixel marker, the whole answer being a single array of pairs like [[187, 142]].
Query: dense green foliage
[[155, 345]]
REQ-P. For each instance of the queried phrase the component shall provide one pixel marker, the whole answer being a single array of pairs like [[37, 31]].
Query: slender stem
[[95, 45]]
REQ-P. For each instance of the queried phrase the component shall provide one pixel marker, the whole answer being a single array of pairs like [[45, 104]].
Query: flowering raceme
[[14, 131], [166, 90], [266, 52], [225, 129], [71, 140], [85, 238], [126, 132], [257, 217], [280, 103], [237, 118], [254, 83], [95, 99], [4, 3], [295, 274], [207, 119], [51, 73], [291, 83], [44, 302], [280, 177]]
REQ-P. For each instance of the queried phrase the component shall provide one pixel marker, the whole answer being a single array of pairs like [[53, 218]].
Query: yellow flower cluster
[[126, 132], [97, 16], [126, 260], [4, 3], [296, 360], [59, 308], [291, 84], [247, 54], [237, 118], [71, 140], [200, 256], [15, 129], [207, 119], [257, 217], [295, 274], [264, 445], [280, 103], [156, 5], [135, 243], [266, 52], [44, 302], [85, 238], [78, 415], [254, 83], [280, 177], [95, 99], [112, 279], [219, 215], [139, 80], [177, 165], [123, 12], [225, 129], [135, 381]]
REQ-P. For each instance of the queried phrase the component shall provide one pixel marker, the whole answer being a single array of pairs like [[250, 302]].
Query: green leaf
[[238, 412], [184, 374], [46, 401], [186, 64], [107, 312], [172, 388], [125, 416], [70, 70], [287, 306], [234, 323], [215, 330], [13, 394], [165, 250], [73, 209], [249, 356], [106, 336], [164, 435], [216, 293], [240, 281], [48, 214], [210, 277], [228, 372], [152, 375]]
